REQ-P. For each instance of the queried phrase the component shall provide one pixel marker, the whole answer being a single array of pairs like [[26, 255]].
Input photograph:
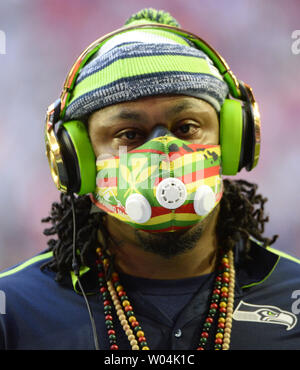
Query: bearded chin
[[170, 244]]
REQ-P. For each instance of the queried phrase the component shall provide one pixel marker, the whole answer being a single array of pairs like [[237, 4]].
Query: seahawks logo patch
[[264, 314]]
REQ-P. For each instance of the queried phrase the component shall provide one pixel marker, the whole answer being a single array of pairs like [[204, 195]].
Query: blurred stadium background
[[44, 37]]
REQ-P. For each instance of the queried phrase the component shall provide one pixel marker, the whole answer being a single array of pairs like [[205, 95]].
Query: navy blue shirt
[[38, 313]]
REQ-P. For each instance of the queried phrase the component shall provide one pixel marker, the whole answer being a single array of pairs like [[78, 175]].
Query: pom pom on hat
[[152, 15]]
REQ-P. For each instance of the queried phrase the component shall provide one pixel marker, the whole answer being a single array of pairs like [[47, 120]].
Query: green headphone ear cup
[[85, 155], [231, 136]]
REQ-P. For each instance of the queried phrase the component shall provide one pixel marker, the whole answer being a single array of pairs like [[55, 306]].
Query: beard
[[170, 244], [166, 245]]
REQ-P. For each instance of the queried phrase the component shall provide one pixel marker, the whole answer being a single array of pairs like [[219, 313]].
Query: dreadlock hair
[[242, 215]]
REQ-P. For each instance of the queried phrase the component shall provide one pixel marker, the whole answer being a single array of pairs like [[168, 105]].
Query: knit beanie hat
[[145, 62]]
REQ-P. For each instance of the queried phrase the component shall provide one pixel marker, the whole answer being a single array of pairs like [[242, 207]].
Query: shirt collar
[[250, 271], [256, 267]]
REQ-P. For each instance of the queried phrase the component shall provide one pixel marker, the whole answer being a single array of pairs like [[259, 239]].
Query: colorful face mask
[[165, 185]]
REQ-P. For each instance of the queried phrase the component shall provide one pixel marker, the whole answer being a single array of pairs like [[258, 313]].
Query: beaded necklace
[[220, 309]]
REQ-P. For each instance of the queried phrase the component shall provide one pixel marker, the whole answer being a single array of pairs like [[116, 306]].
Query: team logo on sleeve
[[264, 314]]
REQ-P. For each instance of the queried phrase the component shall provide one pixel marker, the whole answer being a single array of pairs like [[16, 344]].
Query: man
[[158, 247]]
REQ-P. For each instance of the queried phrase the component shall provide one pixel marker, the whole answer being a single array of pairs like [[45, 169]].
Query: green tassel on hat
[[152, 15]]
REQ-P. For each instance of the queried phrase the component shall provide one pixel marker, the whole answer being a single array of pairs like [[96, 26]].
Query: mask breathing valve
[[138, 208], [171, 193], [204, 200]]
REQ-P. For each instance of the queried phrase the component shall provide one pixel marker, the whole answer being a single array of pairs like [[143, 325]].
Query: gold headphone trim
[[53, 151], [257, 124]]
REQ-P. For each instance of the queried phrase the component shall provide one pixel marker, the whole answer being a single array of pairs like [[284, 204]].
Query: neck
[[130, 258]]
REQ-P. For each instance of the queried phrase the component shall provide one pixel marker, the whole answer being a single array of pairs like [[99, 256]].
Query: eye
[[185, 128], [130, 135], [127, 135], [268, 313]]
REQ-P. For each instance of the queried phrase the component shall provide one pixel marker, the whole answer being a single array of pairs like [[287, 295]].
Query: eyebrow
[[132, 115], [127, 115], [179, 107], [137, 116]]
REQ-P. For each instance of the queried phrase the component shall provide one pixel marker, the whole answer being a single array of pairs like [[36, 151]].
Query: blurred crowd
[[44, 37]]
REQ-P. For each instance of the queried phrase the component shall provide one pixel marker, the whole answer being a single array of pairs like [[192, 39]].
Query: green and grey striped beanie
[[145, 62]]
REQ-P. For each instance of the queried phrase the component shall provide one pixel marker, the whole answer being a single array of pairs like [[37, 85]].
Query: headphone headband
[[237, 89], [83, 58]]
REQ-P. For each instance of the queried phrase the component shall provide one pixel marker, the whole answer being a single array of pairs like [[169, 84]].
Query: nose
[[158, 131]]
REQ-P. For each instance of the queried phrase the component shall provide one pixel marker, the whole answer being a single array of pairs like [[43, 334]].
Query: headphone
[[68, 148]]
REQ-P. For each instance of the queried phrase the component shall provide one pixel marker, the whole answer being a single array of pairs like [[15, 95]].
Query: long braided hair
[[242, 215]]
